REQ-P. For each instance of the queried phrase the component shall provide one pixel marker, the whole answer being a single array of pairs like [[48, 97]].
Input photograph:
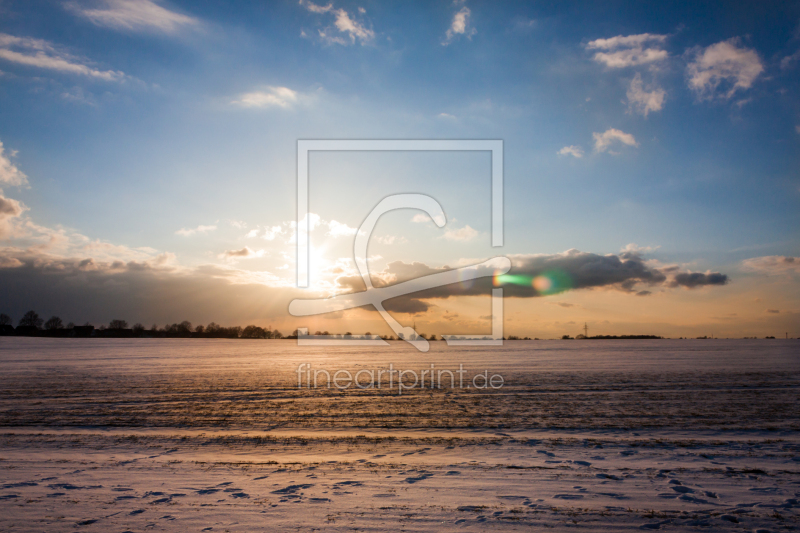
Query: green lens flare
[[546, 283]]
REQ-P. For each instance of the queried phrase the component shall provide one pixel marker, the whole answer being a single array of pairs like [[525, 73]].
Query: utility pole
[[585, 330]]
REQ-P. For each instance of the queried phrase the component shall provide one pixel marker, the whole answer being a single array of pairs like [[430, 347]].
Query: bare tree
[[5, 320], [53, 323], [138, 328], [31, 318], [117, 324]]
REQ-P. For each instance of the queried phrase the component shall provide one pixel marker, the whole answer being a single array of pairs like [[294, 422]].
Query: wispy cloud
[[574, 151], [725, 63], [642, 101], [773, 264], [345, 29], [462, 234], [790, 60], [186, 232], [270, 97], [628, 51], [136, 15], [460, 25], [9, 173], [268, 233], [602, 141], [43, 54]]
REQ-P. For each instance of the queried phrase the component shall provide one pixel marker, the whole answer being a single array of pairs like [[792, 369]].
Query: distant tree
[[31, 319], [368, 335], [138, 328], [254, 332], [325, 332], [5, 320], [70, 325], [54, 323], [294, 333], [199, 329], [184, 328], [348, 335], [117, 324], [433, 337], [154, 328]]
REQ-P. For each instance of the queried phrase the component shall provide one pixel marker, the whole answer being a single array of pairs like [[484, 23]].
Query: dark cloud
[[405, 304], [573, 269], [773, 311], [86, 289], [692, 280]]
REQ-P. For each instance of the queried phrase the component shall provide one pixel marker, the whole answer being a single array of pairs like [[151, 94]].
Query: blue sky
[[150, 128]]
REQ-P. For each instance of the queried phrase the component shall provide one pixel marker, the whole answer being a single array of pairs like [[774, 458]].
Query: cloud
[[244, 253], [789, 61], [628, 51], [772, 311], [134, 15], [602, 141], [338, 229], [42, 54], [9, 208], [270, 97], [186, 232], [268, 234], [642, 101], [9, 173], [692, 280], [536, 275], [462, 234], [460, 26], [773, 264], [349, 29], [574, 151], [726, 63]]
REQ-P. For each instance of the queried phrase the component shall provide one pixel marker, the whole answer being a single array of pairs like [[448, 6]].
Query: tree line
[[32, 324]]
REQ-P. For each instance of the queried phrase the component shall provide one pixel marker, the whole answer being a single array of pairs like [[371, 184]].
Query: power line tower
[[585, 330]]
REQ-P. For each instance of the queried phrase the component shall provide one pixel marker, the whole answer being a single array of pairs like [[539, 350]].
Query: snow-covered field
[[193, 435]]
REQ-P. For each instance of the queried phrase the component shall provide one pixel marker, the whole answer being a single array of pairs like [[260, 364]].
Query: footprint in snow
[[421, 477], [291, 489], [20, 484]]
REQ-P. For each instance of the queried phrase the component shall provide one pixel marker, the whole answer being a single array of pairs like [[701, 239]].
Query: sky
[[651, 162]]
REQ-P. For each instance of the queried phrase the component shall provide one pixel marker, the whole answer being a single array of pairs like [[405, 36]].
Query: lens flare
[[552, 282], [546, 283], [542, 283]]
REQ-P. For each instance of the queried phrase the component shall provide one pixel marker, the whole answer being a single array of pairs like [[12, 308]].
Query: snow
[[195, 435]]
